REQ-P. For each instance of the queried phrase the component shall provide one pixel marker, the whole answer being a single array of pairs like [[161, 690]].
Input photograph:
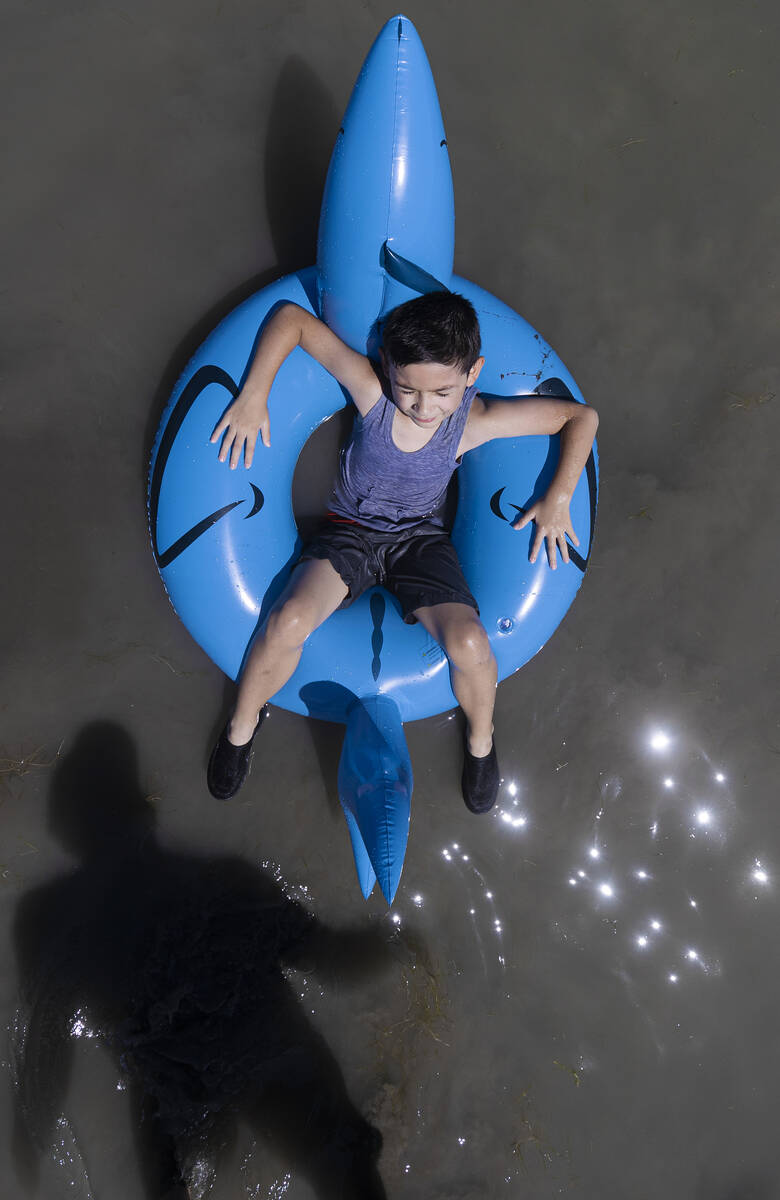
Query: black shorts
[[419, 566]]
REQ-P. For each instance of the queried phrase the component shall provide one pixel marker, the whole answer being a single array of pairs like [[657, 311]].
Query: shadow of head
[[96, 805]]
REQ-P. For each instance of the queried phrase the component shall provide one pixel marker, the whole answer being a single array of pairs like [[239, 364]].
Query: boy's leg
[[428, 581], [314, 590], [473, 671]]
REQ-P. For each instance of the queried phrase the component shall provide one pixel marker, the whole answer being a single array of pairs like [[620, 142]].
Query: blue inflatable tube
[[225, 541]]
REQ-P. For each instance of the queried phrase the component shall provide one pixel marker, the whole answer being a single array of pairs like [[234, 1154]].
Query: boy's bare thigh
[[450, 621], [314, 591]]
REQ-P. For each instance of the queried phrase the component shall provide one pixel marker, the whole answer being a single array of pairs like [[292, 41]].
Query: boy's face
[[428, 392]]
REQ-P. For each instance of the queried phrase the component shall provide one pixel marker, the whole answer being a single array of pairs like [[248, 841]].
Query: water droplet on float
[[505, 625]]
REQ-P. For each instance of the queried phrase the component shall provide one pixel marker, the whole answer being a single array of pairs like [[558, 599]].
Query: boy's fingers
[[521, 521], [249, 452], [564, 549], [537, 543], [235, 453], [220, 428], [225, 447], [551, 548]]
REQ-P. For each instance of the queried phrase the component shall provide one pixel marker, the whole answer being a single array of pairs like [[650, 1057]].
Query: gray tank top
[[389, 489]]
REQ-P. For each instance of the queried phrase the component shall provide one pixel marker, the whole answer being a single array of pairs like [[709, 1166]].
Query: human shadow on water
[[176, 962]]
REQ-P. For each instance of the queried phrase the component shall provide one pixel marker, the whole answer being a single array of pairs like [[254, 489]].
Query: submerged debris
[[531, 1136], [17, 768], [569, 1070], [752, 400], [14, 768], [426, 1000]]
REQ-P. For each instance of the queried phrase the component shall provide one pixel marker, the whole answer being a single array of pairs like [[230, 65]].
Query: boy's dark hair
[[440, 327]]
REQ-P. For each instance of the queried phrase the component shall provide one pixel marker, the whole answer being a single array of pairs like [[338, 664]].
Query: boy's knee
[[291, 624], [467, 644]]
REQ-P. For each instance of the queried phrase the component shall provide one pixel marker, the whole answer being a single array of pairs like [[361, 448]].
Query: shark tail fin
[[375, 789]]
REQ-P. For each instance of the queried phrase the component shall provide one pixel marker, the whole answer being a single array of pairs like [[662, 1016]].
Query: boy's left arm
[[576, 423]]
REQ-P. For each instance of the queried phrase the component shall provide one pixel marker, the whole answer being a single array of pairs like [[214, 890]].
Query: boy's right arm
[[289, 327]]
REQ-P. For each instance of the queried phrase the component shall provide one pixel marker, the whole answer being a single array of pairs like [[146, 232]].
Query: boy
[[416, 418]]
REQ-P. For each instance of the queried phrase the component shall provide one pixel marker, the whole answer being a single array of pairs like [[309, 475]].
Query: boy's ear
[[473, 374]]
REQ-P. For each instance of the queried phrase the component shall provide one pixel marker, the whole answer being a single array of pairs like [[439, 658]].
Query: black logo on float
[[200, 380]]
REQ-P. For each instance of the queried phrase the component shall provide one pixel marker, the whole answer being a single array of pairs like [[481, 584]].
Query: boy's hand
[[241, 424], [553, 522]]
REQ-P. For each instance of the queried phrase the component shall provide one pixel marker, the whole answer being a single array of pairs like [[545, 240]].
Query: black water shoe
[[480, 780], [229, 765]]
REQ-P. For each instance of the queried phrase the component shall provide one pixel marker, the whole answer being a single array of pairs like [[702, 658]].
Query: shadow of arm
[[346, 956]]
